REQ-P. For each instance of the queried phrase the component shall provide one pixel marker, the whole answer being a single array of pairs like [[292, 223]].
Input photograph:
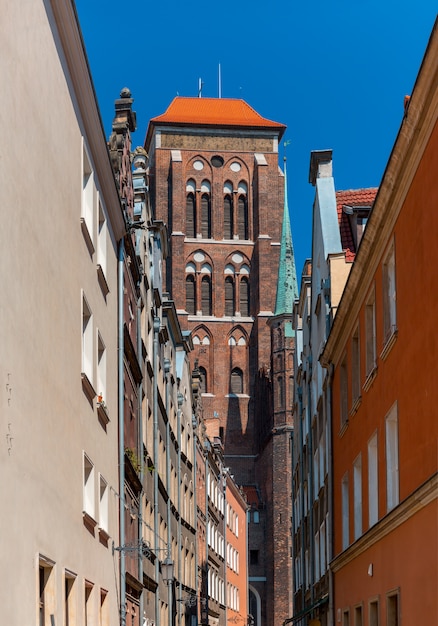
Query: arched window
[[280, 392], [190, 295], [206, 296], [228, 217], [242, 217], [244, 297], [190, 215], [229, 296], [203, 373], [236, 380], [205, 216]]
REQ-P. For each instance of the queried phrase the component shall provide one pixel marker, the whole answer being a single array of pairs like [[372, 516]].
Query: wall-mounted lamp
[[167, 570]]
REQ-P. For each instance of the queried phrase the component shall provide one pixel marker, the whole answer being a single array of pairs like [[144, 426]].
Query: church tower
[[216, 183]]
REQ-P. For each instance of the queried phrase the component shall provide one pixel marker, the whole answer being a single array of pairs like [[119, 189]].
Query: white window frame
[[389, 295], [370, 334], [392, 458], [357, 495], [373, 481], [345, 512], [103, 504], [87, 340], [88, 198], [89, 500]]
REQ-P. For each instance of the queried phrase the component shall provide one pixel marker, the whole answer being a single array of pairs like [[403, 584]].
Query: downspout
[[312, 499], [157, 324], [330, 493], [141, 458], [168, 510], [195, 505], [303, 545], [120, 354]]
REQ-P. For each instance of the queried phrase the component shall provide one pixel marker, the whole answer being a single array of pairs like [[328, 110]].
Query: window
[[205, 216], [190, 295], [101, 368], [229, 296], [104, 608], [244, 297], [358, 616], [103, 504], [344, 392], [392, 475], [206, 296], [88, 491], [392, 602], [389, 295], [47, 591], [253, 557], [345, 513], [228, 217], [357, 494], [87, 340], [101, 241], [373, 613], [370, 333], [256, 517], [346, 618], [190, 215], [355, 366], [69, 599], [87, 199], [242, 217], [373, 490], [236, 381], [203, 373], [88, 603]]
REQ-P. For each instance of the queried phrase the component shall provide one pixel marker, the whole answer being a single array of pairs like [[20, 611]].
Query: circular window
[[235, 167], [217, 161], [198, 165]]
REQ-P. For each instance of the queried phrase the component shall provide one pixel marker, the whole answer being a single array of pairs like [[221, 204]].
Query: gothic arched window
[[190, 295], [228, 217], [242, 217], [190, 215], [205, 216], [244, 297], [229, 296], [236, 382], [203, 373], [206, 296]]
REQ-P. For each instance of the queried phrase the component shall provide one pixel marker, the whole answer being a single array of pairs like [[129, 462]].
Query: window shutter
[[228, 218], [205, 217], [190, 296], [206, 296], [244, 297], [229, 296], [242, 218], [190, 215]]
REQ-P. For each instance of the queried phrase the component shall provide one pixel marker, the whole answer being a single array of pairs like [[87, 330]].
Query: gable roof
[[353, 198], [216, 112]]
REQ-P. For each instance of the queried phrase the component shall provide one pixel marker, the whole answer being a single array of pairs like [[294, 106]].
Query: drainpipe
[[121, 433], [168, 511], [157, 324], [141, 458], [330, 492], [303, 546], [195, 503]]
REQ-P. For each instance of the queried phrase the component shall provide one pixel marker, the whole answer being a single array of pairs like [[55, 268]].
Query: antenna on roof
[[220, 81], [200, 86]]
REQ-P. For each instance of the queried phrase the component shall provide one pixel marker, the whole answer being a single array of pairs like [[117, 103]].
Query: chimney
[[320, 165]]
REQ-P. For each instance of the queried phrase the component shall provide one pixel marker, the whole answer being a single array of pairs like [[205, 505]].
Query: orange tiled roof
[[252, 495], [351, 197], [214, 112]]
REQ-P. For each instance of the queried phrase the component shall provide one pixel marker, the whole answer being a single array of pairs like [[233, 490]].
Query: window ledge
[[356, 404], [87, 236], [88, 387], [343, 428], [103, 535], [89, 521], [369, 379], [102, 412], [102, 280], [388, 345]]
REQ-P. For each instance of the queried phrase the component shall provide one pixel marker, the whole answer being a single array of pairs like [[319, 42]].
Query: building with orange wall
[[381, 354]]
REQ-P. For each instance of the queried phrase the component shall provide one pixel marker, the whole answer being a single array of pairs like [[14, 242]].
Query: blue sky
[[335, 73]]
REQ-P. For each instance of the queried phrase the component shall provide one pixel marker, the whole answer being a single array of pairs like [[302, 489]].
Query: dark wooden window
[[229, 296], [244, 297], [205, 216], [236, 380], [228, 217], [190, 216], [242, 218], [206, 296], [190, 295]]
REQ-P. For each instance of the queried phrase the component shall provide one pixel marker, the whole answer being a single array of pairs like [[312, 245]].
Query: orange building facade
[[382, 356]]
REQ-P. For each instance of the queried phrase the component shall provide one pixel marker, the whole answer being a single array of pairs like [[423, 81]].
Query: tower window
[[242, 217], [229, 296], [190, 215], [206, 296], [244, 297], [228, 217], [236, 380], [203, 373], [190, 295], [205, 216]]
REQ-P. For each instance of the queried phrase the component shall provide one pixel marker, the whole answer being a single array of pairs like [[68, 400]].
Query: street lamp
[[167, 570]]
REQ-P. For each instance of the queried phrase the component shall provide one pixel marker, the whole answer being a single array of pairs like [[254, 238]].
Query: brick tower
[[216, 183]]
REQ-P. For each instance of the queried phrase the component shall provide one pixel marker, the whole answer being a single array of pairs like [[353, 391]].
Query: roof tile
[[351, 197]]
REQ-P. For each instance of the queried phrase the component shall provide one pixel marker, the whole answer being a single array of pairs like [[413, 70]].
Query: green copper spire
[[287, 288]]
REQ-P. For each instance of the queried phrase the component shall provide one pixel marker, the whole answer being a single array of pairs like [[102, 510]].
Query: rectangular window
[[392, 606], [344, 392], [357, 494], [391, 448], [389, 295], [87, 340], [103, 504], [253, 557], [47, 591], [102, 248], [355, 366], [101, 368], [87, 210], [358, 616], [370, 332], [373, 485], [345, 513], [88, 491], [104, 608], [88, 605], [373, 613], [317, 557], [346, 618], [323, 548], [70, 599]]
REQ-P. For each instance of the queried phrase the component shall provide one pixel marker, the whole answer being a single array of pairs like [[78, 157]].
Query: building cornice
[[416, 128]]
